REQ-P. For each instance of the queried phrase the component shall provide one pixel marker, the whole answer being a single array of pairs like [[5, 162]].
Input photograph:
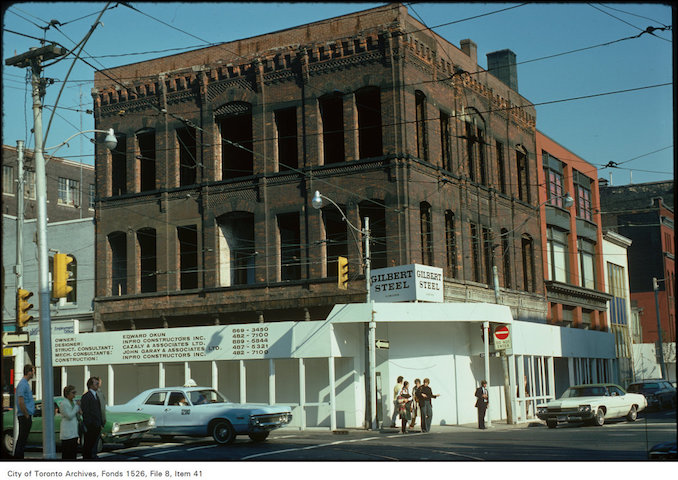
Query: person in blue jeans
[[425, 397], [25, 407]]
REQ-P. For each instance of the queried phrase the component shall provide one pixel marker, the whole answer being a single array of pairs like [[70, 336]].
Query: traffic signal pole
[[33, 59], [19, 352]]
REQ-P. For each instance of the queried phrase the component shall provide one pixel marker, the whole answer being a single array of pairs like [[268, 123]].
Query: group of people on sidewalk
[[407, 405], [87, 414]]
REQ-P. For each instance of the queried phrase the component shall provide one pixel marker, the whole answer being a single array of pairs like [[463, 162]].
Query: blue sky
[[632, 129]]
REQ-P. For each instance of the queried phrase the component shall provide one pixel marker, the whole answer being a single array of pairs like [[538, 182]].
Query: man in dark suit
[[91, 418], [481, 403]]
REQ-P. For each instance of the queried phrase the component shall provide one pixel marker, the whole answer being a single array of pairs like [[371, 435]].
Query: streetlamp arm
[[108, 139], [317, 203]]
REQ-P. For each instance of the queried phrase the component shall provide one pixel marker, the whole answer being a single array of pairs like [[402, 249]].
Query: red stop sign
[[501, 333]]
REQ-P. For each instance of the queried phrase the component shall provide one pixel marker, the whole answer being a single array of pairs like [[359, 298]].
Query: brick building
[[645, 214], [204, 210], [574, 273], [70, 186]]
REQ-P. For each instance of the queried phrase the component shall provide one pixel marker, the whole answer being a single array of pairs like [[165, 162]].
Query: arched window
[[236, 248], [475, 147], [117, 243]]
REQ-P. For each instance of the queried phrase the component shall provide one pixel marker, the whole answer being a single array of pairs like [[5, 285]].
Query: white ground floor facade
[[319, 367]]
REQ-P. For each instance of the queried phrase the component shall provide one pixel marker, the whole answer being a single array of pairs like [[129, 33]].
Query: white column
[[570, 370], [161, 375], [552, 378], [302, 394], [215, 375], [243, 382], [521, 381], [542, 380], [64, 378], [271, 381], [87, 375], [333, 398], [512, 385], [110, 392], [187, 372], [533, 382], [596, 365]]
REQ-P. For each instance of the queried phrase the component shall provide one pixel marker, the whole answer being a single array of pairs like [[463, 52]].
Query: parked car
[[121, 428], [592, 403], [202, 411], [658, 393], [663, 451]]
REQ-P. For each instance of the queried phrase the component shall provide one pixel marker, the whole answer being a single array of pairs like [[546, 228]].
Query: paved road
[[616, 440]]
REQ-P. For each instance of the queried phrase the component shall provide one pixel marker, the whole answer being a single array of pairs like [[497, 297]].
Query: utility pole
[[33, 59], [660, 344], [19, 269]]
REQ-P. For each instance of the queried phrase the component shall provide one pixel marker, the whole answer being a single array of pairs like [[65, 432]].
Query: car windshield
[[200, 397], [584, 392], [644, 387]]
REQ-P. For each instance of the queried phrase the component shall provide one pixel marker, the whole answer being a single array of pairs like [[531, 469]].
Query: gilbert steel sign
[[407, 283]]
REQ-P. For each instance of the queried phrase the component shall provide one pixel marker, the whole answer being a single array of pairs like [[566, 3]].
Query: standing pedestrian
[[426, 396], [91, 419], [396, 391], [102, 400], [70, 411], [404, 406], [415, 401], [25, 408], [481, 404]]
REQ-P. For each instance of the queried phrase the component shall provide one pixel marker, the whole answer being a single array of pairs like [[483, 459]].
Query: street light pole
[[317, 203]]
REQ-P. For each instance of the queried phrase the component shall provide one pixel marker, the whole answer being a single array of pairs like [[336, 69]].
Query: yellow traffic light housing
[[22, 307], [61, 274], [342, 267]]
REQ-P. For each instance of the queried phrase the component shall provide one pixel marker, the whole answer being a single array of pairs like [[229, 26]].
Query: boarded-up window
[[421, 125], [289, 239], [426, 233], [117, 242], [286, 129], [147, 260], [146, 157], [188, 257], [235, 123], [186, 144], [119, 166], [368, 104], [332, 116]]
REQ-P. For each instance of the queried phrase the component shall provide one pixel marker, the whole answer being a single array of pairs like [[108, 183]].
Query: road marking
[[284, 436], [310, 447], [459, 455], [200, 448], [158, 453]]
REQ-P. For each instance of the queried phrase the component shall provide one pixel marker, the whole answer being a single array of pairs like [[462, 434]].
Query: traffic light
[[22, 307], [342, 267], [61, 274]]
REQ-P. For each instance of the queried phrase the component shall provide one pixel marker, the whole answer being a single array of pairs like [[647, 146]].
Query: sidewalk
[[497, 425]]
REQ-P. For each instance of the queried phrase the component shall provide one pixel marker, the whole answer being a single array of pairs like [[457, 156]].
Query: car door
[[619, 403], [155, 405], [178, 414]]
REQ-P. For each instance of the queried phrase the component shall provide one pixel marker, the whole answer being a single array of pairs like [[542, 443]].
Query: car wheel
[[599, 418], [633, 414], [7, 443], [552, 423], [166, 438], [258, 436], [223, 432]]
